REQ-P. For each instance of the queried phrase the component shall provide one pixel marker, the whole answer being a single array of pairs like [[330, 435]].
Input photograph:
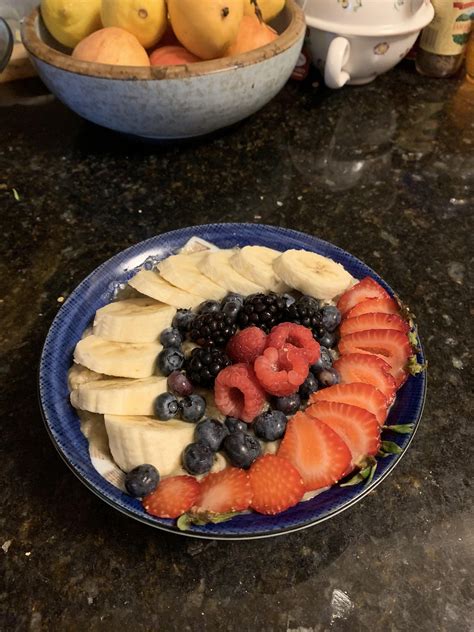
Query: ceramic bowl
[[354, 41], [174, 101]]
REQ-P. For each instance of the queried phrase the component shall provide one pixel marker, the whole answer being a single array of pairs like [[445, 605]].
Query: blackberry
[[212, 329], [204, 364], [306, 312], [263, 310]]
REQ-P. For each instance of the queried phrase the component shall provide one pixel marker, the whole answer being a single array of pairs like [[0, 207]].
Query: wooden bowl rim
[[39, 49]]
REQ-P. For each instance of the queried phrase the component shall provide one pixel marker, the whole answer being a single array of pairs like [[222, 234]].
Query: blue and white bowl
[[98, 289]]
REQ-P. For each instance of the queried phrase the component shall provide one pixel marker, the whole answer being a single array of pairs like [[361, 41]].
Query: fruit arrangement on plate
[[160, 32], [243, 379]]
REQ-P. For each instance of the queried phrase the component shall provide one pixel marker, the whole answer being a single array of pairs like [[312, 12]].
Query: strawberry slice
[[276, 484], [281, 371], [297, 335], [317, 452], [225, 491], [369, 369], [173, 497], [374, 305], [373, 321], [392, 346], [237, 392], [367, 288], [356, 394], [357, 427]]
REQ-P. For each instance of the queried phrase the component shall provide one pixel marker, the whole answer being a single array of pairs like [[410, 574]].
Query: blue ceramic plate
[[97, 290]]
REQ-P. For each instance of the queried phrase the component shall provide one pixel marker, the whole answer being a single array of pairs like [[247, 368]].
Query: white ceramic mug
[[353, 41]]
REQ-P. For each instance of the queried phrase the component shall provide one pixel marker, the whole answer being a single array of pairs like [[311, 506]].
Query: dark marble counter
[[385, 171]]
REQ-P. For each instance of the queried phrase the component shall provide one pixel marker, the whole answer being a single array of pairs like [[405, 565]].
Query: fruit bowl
[[98, 289], [168, 102]]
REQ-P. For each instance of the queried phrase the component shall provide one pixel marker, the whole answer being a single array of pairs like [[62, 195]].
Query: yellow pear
[[146, 19], [206, 27], [269, 8]]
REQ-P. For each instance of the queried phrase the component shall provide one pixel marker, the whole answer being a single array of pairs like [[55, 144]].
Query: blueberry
[[309, 386], [170, 337], [179, 384], [183, 320], [288, 405], [166, 406], [212, 433], [241, 448], [169, 360], [270, 425], [331, 317], [231, 305], [328, 377], [208, 307], [327, 339], [234, 424], [197, 458], [193, 408], [142, 480], [324, 362]]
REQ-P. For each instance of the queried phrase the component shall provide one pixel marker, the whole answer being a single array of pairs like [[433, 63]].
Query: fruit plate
[[98, 289]]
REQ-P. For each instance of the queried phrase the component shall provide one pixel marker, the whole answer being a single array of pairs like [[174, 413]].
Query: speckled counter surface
[[386, 172]]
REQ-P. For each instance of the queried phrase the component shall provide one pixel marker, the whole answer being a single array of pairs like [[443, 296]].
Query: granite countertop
[[385, 171]]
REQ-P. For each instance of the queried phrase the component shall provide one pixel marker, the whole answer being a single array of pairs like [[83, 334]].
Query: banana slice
[[256, 264], [121, 396], [312, 274], [133, 320], [79, 375], [135, 440], [119, 359], [216, 266], [182, 271], [150, 283]]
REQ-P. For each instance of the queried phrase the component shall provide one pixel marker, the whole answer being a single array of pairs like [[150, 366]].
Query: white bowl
[[167, 102], [354, 41]]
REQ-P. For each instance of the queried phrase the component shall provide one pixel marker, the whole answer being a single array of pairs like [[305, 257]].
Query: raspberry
[[298, 336], [281, 371], [247, 345], [238, 393]]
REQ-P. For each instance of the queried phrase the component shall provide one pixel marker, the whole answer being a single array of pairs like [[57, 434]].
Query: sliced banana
[[182, 271], [135, 440], [119, 359], [133, 320], [216, 266], [120, 396], [79, 375], [312, 274], [256, 264], [150, 283]]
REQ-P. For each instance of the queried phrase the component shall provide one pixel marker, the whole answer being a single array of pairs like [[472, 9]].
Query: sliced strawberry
[[374, 305], [369, 369], [237, 392], [373, 321], [317, 452], [367, 288], [173, 497], [356, 394], [281, 371], [296, 335], [225, 491], [357, 427], [276, 484], [392, 346], [247, 345]]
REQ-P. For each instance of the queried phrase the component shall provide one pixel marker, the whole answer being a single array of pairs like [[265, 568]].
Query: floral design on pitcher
[[350, 4], [398, 3], [381, 48]]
